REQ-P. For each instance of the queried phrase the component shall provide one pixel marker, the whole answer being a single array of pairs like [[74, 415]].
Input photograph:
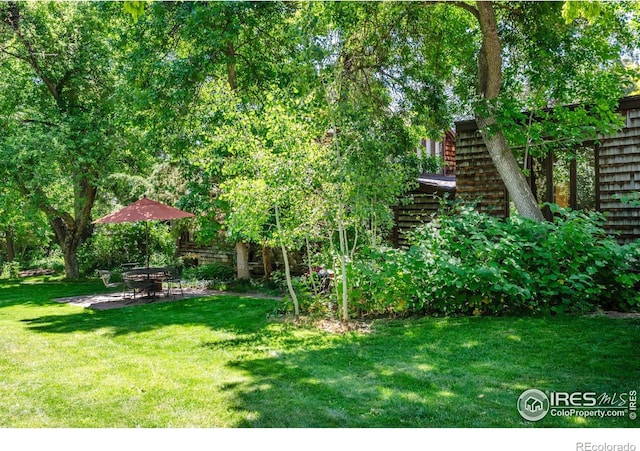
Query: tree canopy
[[98, 94]]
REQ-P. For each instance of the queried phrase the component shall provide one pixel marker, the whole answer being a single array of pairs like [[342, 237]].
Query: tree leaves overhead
[[62, 112], [93, 89]]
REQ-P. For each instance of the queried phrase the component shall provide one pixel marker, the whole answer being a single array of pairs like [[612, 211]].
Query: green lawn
[[219, 362]]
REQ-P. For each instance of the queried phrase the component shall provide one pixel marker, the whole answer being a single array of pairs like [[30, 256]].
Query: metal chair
[[174, 276], [106, 279]]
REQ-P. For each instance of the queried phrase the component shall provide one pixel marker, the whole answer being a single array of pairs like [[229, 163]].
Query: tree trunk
[[71, 269], [11, 249], [267, 262], [242, 260], [287, 270], [242, 249], [515, 181], [489, 86], [343, 266], [69, 240]]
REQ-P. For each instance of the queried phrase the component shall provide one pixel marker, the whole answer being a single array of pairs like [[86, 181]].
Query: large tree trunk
[[72, 230], [489, 86], [69, 240], [71, 269], [242, 260], [10, 245]]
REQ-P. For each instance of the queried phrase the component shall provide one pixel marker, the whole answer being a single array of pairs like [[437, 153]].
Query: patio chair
[[136, 282], [106, 279], [174, 276]]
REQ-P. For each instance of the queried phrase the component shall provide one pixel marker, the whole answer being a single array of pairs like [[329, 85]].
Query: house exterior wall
[[221, 251], [617, 173], [423, 204], [477, 179], [218, 251], [618, 163]]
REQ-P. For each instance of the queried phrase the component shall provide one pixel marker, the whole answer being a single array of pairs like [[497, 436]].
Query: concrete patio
[[107, 301]]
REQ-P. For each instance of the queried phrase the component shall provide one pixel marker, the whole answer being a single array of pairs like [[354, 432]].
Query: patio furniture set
[[145, 281]]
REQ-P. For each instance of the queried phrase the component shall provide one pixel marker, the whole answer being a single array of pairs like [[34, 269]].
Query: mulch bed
[[36, 272], [332, 326]]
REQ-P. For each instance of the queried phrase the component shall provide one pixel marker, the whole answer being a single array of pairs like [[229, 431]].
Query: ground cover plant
[[228, 362]]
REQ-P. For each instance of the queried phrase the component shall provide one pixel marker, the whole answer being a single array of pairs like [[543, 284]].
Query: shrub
[[465, 262], [10, 270], [214, 272], [114, 244], [53, 261]]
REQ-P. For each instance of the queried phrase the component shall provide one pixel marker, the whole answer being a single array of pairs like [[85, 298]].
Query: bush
[[114, 244], [10, 270], [214, 272], [53, 261], [465, 262]]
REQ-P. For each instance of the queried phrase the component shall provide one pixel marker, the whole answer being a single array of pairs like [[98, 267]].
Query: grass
[[219, 362]]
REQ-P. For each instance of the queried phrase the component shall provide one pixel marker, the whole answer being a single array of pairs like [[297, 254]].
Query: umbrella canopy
[[144, 210]]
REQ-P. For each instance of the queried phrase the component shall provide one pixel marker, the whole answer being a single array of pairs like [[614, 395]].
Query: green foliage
[[632, 199], [465, 262], [553, 63], [114, 244], [135, 8], [65, 112], [212, 272], [429, 164], [10, 270], [53, 260]]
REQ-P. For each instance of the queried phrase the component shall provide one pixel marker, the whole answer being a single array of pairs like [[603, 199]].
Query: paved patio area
[[106, 301]]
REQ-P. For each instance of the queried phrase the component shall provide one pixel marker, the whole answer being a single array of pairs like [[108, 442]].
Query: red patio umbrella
[[144, 210]]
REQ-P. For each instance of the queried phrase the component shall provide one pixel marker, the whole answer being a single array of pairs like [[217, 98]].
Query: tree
[[272, 188], [436, 60], [21, 226], [550, 62], [59, 112], [184, 48]]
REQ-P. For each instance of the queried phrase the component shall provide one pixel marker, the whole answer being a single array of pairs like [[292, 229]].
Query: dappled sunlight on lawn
[[221, 362]]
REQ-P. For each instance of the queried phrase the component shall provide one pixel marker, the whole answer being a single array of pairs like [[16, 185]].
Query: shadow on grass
[[37, 293], [239, 315], [457, 372], [437, 373]]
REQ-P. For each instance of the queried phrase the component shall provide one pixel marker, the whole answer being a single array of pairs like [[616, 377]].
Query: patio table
[[147, 280]]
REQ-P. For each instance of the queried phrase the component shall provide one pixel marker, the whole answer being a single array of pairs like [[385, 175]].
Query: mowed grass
[[220, 362]]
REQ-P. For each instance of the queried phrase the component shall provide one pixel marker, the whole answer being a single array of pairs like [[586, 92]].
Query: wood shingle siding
[[617, 172], [423, 204], [477, 179]]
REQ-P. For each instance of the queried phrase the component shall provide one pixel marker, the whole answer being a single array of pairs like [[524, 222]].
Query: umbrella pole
[[146, 229]]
